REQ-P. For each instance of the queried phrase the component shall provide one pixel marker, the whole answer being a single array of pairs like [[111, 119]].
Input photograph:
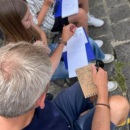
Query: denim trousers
[[61, 72]]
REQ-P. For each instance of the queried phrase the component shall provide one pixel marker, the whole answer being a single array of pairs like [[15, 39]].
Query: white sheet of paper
[[85, 38], [69, 7], [65, 49], [76, 52], [76, 60]]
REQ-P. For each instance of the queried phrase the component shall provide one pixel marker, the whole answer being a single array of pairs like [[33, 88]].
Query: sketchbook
[[85, 78]]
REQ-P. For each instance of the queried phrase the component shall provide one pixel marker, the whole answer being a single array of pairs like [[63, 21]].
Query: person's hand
[[68, 32], [100, 80], [40, 43], [49, 2], [43, 44]]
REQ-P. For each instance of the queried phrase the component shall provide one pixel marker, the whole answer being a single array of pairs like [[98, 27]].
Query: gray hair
[[25, 71]]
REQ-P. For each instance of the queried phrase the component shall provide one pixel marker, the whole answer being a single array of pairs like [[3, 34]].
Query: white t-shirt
[[35, 7]]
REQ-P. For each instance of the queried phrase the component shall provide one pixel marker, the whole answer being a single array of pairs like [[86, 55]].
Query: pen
[[71, 29]]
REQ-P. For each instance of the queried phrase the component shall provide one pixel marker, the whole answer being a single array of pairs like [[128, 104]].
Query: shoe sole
[[115, 87], [109, 61]]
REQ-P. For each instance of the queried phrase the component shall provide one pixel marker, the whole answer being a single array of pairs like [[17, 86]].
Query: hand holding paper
[[100, 80], [78, 52], [85, 77], [67, 34]]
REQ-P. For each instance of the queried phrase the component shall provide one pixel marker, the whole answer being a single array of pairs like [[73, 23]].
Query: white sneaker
[[112, 85], [92, 21], [99, 43], [108, 58]]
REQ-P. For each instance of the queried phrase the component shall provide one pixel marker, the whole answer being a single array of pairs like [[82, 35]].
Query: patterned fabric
[[35, 7]]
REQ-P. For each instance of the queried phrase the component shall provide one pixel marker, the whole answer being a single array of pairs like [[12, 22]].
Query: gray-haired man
[[25, 71]]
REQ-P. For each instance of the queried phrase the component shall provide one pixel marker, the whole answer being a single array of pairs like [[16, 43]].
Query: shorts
[[59, 24], [71, 103]]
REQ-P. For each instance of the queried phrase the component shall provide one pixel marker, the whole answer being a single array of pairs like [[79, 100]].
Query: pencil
[[71, 29]]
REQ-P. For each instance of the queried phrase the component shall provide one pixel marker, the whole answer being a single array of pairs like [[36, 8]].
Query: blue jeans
[[71, 103], [61, 72], [99, 55]]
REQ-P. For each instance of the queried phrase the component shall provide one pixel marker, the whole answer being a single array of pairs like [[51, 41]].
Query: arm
[[44, 9], [101, 120], [55, 58], [42, 33]]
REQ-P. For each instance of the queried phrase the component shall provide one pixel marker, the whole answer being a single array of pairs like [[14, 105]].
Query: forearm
[[41, 33], [42, 13], [44, 38], [101, 120], [66, 35], [56, 56]]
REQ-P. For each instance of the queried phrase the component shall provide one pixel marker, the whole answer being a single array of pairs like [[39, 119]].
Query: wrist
[[102, 99], [102, 105], [63, 38], [62, 42]]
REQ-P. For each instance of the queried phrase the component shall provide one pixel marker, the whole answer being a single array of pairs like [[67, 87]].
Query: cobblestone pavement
[[116, 36]]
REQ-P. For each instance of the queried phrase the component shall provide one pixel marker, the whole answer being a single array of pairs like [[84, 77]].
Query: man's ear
[[41, 100]]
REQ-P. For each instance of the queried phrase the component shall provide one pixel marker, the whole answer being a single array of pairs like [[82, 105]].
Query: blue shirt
[[47, 119]]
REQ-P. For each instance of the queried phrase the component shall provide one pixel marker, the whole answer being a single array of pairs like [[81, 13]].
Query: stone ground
[[116, 36]]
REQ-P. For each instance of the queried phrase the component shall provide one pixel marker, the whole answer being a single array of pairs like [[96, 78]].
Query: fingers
[[71, 27], [93, 98], [94, 69], [71, 24], [103, 73], [100, 70], [39, 43], [74, 29], [68, 32]]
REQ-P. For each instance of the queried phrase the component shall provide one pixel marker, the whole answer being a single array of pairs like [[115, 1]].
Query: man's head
[[25, 71]]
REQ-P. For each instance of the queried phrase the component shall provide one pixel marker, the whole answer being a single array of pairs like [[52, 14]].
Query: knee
[[82, 14], [119, 109], [119, 102]]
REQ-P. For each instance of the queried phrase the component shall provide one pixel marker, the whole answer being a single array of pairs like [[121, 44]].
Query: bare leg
[[119, 109], [84, 4], [80, 19]]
